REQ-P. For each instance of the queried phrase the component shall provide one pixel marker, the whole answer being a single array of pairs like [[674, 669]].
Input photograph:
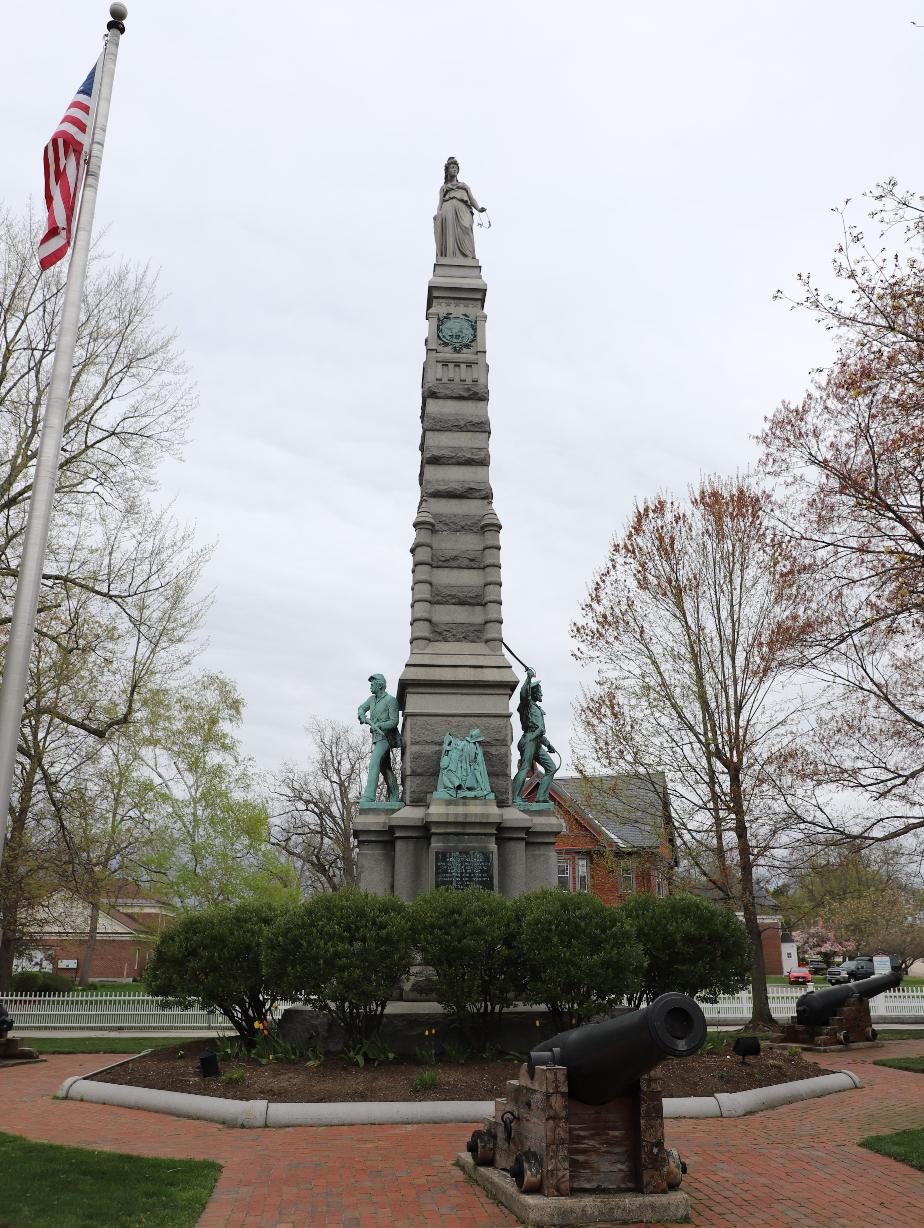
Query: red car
[[799, 976]]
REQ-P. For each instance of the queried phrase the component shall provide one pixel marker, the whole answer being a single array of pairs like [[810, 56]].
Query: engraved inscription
[[461, 868]]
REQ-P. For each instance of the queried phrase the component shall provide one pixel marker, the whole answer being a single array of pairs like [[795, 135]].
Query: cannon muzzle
[[820, 1007], [603, 1060]]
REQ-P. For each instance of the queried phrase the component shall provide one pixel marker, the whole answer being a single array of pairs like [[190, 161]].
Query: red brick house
[[127, 927], [616, 837], [779, 957]]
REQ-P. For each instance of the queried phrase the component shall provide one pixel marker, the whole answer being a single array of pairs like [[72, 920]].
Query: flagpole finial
[[118, 12]]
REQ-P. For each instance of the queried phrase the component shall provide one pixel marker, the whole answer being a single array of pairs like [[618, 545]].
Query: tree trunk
[[761, 1018], [86, 964], [10, 896], [7, 945]]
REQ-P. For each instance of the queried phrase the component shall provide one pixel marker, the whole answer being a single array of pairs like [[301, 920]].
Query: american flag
[[63, 160]]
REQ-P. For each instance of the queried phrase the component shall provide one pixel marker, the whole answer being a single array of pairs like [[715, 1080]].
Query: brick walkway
[[796, 1165]]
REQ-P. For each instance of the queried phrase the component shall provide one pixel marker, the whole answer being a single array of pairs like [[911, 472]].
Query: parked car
[[851, 970], [799, 976], [858, 969]]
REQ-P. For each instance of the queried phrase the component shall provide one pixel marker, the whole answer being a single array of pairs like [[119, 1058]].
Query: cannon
[[604, 1060], [839, 1015], [10, 1048], [586, 1115]]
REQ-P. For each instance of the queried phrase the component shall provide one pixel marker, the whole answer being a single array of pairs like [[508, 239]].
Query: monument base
[[456, 843], [627, 1207], [12, 1052]]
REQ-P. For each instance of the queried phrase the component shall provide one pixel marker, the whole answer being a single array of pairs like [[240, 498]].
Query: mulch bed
[[177, 1070]]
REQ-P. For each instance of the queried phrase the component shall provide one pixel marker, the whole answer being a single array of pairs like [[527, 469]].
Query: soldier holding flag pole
[[83, 123]]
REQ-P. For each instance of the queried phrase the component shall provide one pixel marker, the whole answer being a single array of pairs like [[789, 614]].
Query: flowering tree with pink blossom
[[819, 942]]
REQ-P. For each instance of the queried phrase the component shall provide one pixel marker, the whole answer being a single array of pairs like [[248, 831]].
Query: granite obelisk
[[457, 680]]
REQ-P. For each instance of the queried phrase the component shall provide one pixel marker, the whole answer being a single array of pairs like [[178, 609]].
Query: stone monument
[[454, 692]]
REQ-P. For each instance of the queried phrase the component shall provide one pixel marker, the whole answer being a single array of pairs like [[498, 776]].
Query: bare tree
[[315, 806], [118, 603], [850, 460], [693, 624]]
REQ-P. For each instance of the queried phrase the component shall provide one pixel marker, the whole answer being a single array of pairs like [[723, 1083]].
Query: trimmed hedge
[[344, 954], [576, 955], [214, 957], [690, 946], [470, 940], [41, 982]]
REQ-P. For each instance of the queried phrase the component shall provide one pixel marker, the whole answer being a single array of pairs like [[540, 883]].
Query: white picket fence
[[905, 1005], [106, 1012], [139, 1013]]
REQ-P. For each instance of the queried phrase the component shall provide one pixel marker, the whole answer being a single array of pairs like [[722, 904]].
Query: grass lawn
[[915, 1064], [910, 982], [70, 1187], [906, 1146], [103, 1044]]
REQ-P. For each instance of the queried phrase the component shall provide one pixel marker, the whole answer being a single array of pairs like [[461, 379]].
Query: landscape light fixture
[[745, 1047]]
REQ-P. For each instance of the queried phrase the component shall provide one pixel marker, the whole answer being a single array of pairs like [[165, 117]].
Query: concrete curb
[[177, 1104], [740, 1104], [380, 1113], [255, 1114], [64, 1089]]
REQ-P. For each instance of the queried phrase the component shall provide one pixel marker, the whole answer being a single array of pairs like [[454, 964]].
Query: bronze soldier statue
[[380, 713], [534, 747]]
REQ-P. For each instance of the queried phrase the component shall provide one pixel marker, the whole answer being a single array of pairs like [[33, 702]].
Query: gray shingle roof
[[762, 898], [629, 809]]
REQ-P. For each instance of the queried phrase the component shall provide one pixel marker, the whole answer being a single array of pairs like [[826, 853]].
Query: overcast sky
[[653, 173]]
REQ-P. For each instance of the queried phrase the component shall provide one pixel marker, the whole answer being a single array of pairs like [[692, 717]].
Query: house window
[[564, 874], [627, 878], [583, 873], [660, 883]]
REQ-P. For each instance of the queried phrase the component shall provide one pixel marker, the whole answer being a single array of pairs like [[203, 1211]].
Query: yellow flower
[[257, 1026]]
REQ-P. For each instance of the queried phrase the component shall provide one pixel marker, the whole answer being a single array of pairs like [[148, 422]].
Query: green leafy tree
[[690, 946], [469, 938], [214, 958], [217, 840], [342, 953], [831, 876], [888, 921], [575, 954]]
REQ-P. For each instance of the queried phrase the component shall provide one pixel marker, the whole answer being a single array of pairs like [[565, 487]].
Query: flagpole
[[28, 587]]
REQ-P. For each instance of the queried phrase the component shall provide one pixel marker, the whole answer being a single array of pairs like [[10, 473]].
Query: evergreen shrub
[[343, 953], [469, 938], [41, 982], [690, 945], [576, 955], [213, 957]]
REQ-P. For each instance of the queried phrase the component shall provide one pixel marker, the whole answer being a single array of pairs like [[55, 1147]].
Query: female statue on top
[[452, 222]]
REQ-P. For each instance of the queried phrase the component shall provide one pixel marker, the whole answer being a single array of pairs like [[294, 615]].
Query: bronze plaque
[[461, 868]]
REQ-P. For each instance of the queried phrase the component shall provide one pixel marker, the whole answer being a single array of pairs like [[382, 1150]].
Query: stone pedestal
[[464, 843], [457, 676]]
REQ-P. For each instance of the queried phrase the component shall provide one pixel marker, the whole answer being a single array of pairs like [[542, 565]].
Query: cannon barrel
[[603, 1060], [821, 1006]]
